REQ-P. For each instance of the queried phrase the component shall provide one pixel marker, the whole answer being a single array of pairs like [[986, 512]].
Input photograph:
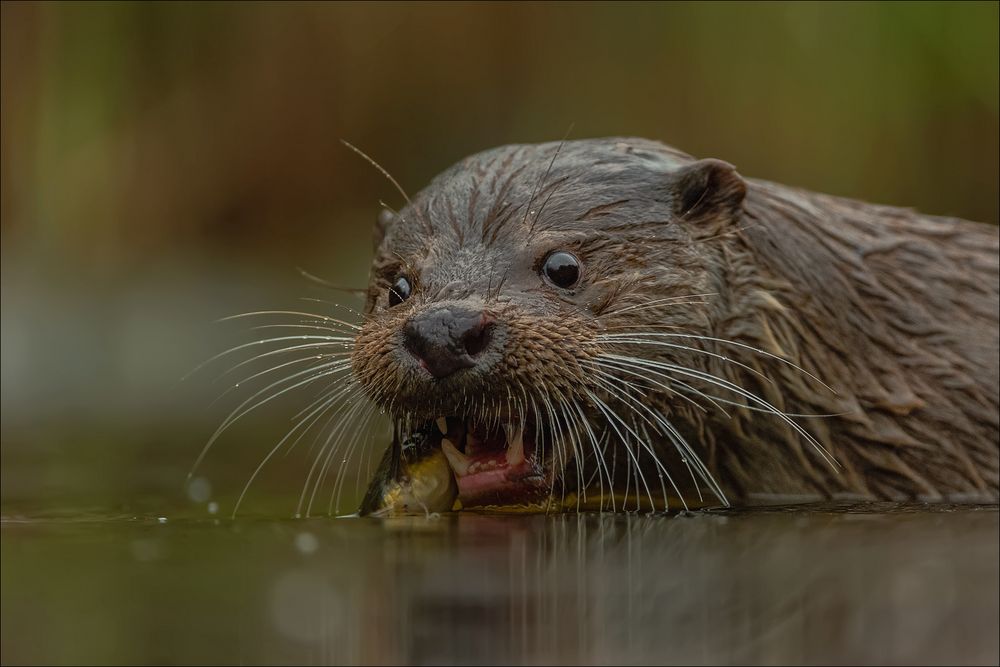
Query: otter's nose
[[448, 339]]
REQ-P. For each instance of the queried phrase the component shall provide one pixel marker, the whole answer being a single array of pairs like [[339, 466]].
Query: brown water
[[884, 584]]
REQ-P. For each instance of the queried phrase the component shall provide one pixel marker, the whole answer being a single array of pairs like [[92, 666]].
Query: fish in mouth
[[449, 464], [493, 466], [413, 477]]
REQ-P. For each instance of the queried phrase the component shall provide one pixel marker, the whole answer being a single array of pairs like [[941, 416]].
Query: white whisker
[[729, 386], [734, 343]]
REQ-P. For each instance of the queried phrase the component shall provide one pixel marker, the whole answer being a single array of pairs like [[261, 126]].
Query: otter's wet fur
[[874, 329]]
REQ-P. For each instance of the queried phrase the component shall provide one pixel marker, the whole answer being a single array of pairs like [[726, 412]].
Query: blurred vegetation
[[164, 164]]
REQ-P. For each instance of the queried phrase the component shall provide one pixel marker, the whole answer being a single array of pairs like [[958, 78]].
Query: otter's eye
[[562, 269], [400, 291]]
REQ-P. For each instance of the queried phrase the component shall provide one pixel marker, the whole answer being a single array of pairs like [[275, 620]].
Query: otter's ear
[[707, 187], [383, 221]]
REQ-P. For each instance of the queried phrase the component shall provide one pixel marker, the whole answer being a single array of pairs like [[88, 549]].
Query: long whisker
[[557, 445], [323, 395], [326, 283], [338, 393], [631, 327], [329, 448], [687, 453], [268, 457], [744, 406], [628, 339], [598, 457], [338, 487], [234, 417], [315, 316], [734, 343], [334, 304], [572, 429], [381, 170], [725, 384], [233, 350], [333, 363], [313, 358], [661, 469], [658, 302], [312, 327], [293, 348], [679, 442], [622, 367], [612, 418]]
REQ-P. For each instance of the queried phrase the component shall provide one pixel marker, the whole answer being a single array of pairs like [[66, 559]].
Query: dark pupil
[[562, 269], [399, 292]]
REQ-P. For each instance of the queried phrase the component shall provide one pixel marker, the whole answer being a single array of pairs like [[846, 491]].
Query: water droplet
[[199, 490], [306, 543], [161, 519]]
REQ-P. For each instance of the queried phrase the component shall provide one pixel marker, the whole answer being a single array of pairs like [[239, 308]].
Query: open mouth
[[493, 465]]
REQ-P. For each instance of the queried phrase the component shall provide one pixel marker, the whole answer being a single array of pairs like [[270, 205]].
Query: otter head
[[503, 299]]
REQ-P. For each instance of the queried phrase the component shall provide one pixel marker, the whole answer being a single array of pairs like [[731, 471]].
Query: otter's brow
[[581, 243], [389, 268]]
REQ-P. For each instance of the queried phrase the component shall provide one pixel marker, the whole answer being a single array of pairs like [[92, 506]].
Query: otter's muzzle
[[447, 339]]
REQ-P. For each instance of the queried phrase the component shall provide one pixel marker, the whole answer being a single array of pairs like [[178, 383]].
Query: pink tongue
[[476, 484]]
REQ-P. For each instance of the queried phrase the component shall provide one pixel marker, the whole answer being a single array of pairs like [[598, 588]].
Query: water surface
[[885, 585]]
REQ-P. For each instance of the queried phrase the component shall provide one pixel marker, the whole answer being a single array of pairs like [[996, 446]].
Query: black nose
[[446, 340]]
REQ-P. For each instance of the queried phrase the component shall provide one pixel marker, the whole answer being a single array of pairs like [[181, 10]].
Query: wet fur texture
[[895, 311]]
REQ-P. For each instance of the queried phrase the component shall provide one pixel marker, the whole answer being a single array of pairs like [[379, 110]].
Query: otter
[[614, 324]]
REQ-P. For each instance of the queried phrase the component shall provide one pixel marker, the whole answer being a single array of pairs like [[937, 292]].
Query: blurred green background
[[166, 164]]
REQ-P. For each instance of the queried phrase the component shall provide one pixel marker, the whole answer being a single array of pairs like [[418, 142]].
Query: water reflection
[[873, 586]]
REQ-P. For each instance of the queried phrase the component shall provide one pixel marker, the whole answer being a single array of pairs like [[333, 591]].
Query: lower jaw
[[493, 469], [504, 487]]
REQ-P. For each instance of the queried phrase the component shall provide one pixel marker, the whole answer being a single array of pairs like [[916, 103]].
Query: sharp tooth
[[515, 445], [442, 423], [459, 462]]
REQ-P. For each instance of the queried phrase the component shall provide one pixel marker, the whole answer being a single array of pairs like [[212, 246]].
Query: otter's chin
[[494, 465]]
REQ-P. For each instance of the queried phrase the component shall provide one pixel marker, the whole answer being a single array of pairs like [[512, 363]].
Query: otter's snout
[[447, 339]]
